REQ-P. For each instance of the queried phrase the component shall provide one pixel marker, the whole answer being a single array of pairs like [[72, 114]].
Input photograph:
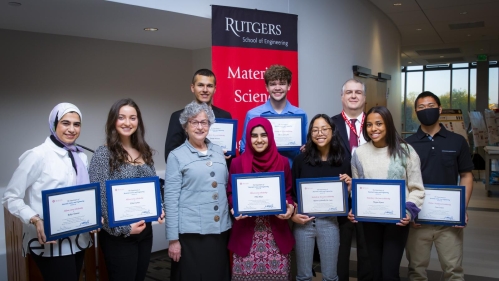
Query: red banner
[[245, 43]]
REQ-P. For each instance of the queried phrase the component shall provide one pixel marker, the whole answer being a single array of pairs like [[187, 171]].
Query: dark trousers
[[63, 268], [204, 257], [127, 259], [364, 271], [385, 244]]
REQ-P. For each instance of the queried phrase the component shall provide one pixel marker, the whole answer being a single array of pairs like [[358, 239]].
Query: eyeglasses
[[195, 123], [323, 131], [425, 106]]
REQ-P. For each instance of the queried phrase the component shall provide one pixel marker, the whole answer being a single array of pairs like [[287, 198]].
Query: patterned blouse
[[99, 172]]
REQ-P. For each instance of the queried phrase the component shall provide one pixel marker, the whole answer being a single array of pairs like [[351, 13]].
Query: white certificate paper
[[134, 201], [441, 205], [380, 201], [322, 197], [258, 194], [287, 131], [222, 134], [72, 211]]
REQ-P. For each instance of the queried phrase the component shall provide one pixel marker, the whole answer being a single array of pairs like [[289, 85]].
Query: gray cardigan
[[195, 195]]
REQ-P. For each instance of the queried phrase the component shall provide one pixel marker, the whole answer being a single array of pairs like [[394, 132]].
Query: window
[[438, 82], [493, 87], [459, 95], [414, 88]]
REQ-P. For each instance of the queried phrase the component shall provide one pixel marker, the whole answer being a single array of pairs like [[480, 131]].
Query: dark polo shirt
[[443, 157]]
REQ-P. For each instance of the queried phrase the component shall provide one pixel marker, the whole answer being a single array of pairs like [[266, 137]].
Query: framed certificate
[[378, 200], [289, 130], [259, 194], [71, 210], [223, 132], [443, 205], [132, 200], [320, 197]]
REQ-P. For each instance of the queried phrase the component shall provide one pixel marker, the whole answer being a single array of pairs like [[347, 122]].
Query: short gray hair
[[355, 81], [192, 110]]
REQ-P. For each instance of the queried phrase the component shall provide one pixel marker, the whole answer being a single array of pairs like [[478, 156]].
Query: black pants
[[385, 244], [63, 268], [127, 258], [364, 271], [204, 257]]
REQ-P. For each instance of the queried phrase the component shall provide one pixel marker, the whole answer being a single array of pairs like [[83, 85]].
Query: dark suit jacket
[[176, 134], [341, 128]]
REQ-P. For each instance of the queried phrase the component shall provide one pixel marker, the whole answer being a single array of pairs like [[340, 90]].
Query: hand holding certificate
[[132, 200], [258, 194], [443, 205], [71, 210], [223, 132], [378, 200], [289, 130]]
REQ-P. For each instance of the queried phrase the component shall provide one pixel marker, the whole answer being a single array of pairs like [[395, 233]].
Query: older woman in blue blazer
[[197, 216]]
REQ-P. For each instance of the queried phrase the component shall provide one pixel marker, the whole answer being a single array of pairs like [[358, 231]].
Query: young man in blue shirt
[[278, 82]]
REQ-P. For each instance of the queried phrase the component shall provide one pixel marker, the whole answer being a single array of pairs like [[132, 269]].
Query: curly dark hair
[[277, 72], [313, 155], [118, 155]]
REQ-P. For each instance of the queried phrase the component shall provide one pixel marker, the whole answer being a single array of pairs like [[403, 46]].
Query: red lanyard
[[351, 125]]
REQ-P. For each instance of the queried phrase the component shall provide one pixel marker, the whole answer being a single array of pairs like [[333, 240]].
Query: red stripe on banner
[[240, 82]]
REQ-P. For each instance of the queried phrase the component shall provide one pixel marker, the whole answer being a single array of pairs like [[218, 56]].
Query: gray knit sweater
[[370, 162]]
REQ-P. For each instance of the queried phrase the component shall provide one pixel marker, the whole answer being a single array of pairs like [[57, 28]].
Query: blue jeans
[[326, 231]]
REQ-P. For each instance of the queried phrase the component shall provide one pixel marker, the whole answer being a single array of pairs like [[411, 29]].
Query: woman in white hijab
[[56, 163]]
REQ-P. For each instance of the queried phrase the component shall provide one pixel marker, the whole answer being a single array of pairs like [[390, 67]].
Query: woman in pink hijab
[[261, 244]]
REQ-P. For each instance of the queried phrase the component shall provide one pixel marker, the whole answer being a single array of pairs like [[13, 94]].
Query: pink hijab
[[267, 161]]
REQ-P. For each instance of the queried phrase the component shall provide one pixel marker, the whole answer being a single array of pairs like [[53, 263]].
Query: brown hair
[[277, 72], [118, 155]]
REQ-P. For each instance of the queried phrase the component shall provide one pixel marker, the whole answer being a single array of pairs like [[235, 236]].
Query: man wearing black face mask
[[444, 157]]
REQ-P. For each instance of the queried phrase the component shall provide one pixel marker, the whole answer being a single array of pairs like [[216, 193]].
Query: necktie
[[354, 140]]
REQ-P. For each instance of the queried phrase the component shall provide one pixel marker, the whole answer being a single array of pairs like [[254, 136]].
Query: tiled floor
[[481, 245]]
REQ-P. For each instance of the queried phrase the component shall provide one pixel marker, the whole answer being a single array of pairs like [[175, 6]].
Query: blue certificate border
[[46, 194], [462, 198], [400, 183], [299, 183], [303, 129], [235, 202], [234, 123], [110, 201]]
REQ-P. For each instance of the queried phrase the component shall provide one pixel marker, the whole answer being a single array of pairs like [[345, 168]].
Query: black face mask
[[428, 116]]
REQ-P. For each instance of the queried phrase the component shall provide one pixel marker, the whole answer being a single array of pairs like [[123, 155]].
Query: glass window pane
[[402, 97], [460, 92], [438, 82], [415, 67], [414, 88], [472, 89], [493, 87], [459, 65]]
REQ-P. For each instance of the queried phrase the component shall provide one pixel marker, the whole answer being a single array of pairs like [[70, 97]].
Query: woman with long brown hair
[[126, 249]]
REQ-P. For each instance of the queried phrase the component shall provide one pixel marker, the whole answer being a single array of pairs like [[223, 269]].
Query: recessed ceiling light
[[150, 29], [409, 62], [14, 4], [469, 35], [442, 56], [481, 49], [463, 13], [397, 4], [418, 29]]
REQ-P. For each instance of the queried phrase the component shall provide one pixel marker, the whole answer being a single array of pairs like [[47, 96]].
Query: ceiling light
[[14, 4], [463, 13], [469, 35], [442, 56], [418, 29], [397, 4], [150, 29], [481, 49], [409, 62]]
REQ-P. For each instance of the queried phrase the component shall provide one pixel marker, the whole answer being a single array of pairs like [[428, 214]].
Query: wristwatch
[[35, 219]]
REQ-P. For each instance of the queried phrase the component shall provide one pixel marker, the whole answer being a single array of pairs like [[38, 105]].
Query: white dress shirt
[[44, 167], [358, 128]]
